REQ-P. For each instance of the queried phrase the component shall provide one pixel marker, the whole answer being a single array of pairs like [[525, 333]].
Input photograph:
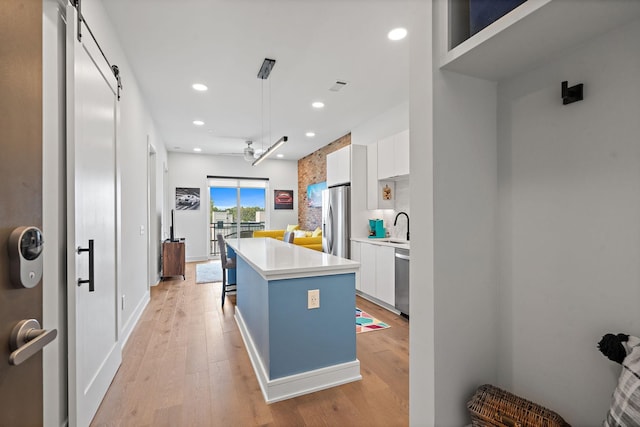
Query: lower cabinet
[[368, 269], [385, 274], [377, 271]]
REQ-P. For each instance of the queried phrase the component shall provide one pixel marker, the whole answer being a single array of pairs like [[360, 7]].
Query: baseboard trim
[[378, 302], [196, 259], [298, 384], [133, 320]]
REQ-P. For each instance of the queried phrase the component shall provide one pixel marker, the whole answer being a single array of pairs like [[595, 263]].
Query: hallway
[[185, 364]]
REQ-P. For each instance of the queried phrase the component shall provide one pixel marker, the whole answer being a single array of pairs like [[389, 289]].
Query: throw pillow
[[317, 232], [291, 227], [624, 410], [299, 233]]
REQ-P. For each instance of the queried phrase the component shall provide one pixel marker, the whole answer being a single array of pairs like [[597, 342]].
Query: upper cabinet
[[339, 167], [393, 156], [387, 160], [529, 34], [346, 165]]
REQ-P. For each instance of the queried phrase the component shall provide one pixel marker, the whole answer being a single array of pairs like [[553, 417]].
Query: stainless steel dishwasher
[[402, 281]]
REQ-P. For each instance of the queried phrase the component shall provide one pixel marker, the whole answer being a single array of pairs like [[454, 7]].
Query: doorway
[[153, 219], [237, 207]]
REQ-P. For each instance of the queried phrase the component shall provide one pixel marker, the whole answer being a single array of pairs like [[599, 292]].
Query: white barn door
[[94, 350]]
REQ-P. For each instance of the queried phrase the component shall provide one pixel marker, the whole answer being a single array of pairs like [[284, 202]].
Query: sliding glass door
[[237, 208]]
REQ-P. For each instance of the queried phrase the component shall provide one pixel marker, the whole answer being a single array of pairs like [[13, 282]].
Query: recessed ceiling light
[[280, 156], [197, 150], [199, 87], [397, 34], [198, 122], [318, 104], [310, 134]]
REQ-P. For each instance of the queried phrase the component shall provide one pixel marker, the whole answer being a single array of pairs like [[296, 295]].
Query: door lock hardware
[[25, 247], [90, 279], [27, 339]]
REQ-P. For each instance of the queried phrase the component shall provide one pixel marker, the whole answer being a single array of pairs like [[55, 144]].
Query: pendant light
[[263, 74]]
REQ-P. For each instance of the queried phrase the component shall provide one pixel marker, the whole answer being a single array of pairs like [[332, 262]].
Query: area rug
[[209, 272], [366, 322]]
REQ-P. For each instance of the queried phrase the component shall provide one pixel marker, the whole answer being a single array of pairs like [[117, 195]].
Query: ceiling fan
[[249, 153]]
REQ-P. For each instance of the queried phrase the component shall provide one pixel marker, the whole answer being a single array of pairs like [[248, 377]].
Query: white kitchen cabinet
[[372, 177], [368, 269], [346, 165], [386, 166], [385, 274], [355, 256], [377, 272], [380, 194], [393, 155], [339, 167], [401, 159]]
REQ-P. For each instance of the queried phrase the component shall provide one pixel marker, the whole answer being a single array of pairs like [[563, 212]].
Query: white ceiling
[[222, 43]]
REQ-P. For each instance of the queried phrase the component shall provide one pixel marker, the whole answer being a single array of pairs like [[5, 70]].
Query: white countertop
[[274, 259], [387, 241]]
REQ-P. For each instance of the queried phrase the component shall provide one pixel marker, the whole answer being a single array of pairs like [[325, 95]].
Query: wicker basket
[[492, 406]]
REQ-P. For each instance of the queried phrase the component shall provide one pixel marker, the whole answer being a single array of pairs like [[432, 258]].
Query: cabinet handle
[[27, 339]]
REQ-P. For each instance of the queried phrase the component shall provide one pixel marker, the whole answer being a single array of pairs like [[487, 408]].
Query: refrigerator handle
[[330, 235]]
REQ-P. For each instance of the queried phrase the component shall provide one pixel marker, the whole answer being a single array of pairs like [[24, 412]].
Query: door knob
[[27, 339]]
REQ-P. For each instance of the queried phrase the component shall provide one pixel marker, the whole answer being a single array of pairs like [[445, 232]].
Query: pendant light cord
[[270, 110], [262, 116]]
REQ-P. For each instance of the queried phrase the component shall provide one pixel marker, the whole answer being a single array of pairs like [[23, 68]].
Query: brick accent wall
[[312, 169]]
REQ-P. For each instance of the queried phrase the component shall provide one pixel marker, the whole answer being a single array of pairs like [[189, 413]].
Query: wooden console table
[[173, 263]]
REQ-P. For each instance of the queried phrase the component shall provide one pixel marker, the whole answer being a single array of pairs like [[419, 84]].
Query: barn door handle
[[90, 279], [27, 339]]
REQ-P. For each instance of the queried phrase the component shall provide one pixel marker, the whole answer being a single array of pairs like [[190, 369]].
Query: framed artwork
[[187, 199], [314, 194], [283, 199]]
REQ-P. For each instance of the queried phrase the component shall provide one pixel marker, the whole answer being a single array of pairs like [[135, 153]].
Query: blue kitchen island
[[295, 350]]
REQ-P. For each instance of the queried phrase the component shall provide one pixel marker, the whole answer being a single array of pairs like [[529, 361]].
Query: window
[[237, 208]]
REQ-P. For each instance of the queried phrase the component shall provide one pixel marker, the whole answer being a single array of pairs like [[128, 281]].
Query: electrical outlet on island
[[313, 298]]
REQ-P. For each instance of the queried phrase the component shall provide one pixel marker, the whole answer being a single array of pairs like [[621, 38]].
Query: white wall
[[465, 199], [393, 121], [191, 170], [569, 224], [421, 285], [454, 193], [135, 126]]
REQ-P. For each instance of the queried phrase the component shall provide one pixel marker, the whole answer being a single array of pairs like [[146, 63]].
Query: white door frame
[[153, 238]]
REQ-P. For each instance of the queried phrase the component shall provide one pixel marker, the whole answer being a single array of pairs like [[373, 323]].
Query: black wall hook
[[571, 94]]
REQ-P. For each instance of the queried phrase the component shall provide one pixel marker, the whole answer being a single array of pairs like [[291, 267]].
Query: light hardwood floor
[[185, 365]]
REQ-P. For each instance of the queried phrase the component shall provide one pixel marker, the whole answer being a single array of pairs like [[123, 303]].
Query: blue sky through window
[[225, 198]]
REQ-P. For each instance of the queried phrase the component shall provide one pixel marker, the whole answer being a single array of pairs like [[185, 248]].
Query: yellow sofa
[[307, 242]]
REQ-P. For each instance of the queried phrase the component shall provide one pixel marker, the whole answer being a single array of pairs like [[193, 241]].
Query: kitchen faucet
[[396, 220]]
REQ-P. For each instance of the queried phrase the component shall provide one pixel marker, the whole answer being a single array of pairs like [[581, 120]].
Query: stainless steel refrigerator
[[336, 221]]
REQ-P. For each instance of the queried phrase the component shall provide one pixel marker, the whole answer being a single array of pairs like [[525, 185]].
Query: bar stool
[[226, 264], [288, 236]]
